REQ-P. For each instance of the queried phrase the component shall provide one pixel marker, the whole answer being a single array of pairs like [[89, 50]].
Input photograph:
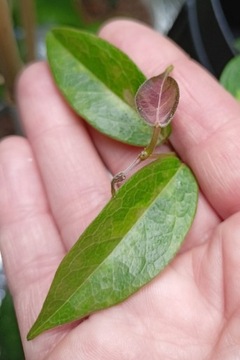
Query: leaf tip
[[37, 328], [169, 69], [32, 333]]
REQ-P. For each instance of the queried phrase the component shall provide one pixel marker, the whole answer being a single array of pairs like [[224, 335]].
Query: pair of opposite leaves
[[142, 227]]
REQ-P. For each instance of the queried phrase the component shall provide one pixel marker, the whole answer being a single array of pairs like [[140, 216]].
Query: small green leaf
[[128, 244], [100, 82], [157, 99], [230, 77]]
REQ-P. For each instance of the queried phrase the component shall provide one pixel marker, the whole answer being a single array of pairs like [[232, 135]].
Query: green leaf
[[100, 82], [10, 340], [128, 244], [236, 44], [230, 77], [58, 12]]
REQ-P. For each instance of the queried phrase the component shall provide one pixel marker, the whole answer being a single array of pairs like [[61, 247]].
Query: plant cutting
[[144, 224]]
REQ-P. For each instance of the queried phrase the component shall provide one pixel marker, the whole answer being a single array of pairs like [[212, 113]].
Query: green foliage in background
[[56, 12], [10, 342], [230, 77]]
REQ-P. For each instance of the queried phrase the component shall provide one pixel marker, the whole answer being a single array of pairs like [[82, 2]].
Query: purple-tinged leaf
[[157, 99]]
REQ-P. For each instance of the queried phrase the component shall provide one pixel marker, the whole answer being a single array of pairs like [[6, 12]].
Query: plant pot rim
[[205, 24]]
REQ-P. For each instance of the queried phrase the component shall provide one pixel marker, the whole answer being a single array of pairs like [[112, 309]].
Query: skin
[[56, 181]]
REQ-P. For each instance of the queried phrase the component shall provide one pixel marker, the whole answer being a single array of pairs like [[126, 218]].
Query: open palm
[[56, 180]]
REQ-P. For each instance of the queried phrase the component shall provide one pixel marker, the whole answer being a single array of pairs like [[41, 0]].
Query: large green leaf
[[129, 243], [100, 82]]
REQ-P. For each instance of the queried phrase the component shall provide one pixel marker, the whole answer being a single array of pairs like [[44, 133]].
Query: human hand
[[56, 181]]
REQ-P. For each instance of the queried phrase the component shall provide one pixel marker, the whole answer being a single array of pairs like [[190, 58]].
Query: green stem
[[153, 143], [144, 155], [10, 61]]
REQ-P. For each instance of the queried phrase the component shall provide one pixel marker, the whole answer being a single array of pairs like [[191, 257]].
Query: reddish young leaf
[[157, 99]]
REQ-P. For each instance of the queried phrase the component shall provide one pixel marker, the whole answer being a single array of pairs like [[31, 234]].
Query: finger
[[29, 241], [75, 179], [206, 127]]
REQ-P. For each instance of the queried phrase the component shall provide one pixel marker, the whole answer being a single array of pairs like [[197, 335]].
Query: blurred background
[[208, 30]]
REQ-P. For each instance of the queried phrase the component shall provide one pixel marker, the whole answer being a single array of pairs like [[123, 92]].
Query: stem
[[121, 176], [144, 154], [28, 18], [10, 61], [153, 143]]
